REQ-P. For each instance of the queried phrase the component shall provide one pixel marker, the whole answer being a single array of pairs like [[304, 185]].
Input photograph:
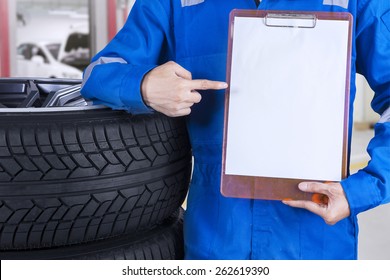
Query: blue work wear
[[194, 33]]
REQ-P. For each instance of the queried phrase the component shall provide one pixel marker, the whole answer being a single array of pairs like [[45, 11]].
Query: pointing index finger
[[207, 84]]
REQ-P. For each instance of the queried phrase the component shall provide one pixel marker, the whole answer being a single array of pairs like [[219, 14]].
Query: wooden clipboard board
[[287, 105]]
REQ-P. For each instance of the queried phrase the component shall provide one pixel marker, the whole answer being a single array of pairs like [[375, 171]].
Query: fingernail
[[302, 186], [224, 85]]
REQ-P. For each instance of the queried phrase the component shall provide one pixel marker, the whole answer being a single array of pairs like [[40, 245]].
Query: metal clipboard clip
[[291, 20]]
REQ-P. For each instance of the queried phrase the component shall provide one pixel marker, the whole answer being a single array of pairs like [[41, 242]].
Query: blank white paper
[[287, 98]]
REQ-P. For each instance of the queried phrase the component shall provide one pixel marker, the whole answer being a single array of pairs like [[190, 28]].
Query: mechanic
[[170, 57]]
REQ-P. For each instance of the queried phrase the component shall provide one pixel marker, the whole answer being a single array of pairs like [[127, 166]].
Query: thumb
[[314, 187], [182, 72]]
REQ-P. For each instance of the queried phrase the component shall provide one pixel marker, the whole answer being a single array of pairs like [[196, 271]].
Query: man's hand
[[332, 209], [169, 89]]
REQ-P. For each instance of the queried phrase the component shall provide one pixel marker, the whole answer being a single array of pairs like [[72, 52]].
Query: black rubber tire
[[164, 242], [73, 177]]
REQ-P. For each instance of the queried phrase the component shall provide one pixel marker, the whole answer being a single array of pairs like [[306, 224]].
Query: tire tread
[[38, 154]]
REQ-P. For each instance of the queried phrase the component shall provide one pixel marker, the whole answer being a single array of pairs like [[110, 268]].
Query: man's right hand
[[170, 89]]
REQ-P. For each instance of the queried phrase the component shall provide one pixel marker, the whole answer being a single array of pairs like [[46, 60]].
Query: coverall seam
[[166, 15], [360, 7], [122, 88]]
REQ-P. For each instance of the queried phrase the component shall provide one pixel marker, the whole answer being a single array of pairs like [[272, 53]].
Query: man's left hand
[[334, 209]]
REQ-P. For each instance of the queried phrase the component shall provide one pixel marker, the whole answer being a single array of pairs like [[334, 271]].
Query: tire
[[165, 242], [81, 174]]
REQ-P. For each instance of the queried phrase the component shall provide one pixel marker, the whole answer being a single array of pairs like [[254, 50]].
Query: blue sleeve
[[115, 75], [370, 186]]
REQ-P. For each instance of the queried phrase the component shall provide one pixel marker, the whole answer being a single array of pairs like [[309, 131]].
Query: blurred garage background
[[57, 38]]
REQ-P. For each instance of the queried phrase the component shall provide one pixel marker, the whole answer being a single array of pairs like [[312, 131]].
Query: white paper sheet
[[287, 97]]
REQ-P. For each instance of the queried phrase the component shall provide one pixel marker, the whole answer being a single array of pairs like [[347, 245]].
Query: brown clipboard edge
[[268, 188]]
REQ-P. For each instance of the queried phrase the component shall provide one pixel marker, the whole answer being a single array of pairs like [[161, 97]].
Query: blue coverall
[[194, 33]]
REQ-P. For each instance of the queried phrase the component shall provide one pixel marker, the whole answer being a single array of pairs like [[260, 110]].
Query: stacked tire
[[85, 181]]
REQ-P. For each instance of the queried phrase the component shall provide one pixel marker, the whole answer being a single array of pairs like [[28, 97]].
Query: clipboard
[[287, 105]]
